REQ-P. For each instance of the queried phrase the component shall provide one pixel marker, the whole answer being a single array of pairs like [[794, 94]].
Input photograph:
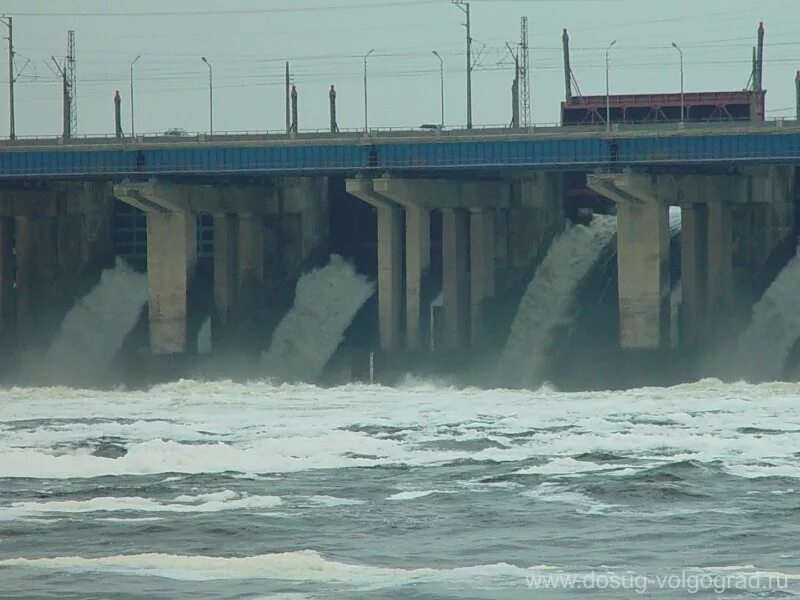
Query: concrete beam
[[171, 256], [444, 193], [455, 278], [482, 270]]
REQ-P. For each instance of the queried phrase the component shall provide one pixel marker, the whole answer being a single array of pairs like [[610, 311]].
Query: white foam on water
[[326, 301], [94, 329], [774, 328], [414, 495], [547, 304], [304, 565], [223, 501], [568, 466], [262, 428], [333, 501], [554, 492]]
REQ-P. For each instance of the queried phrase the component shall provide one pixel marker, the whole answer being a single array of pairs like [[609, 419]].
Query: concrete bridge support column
[[390, 276], [171, 256], [643, 256], [644, 276], [37, 272], [251, 267], [418, 264], [455, 278], [694, 272], [226, 255], [6, 281], [482, 270], [720, 260]]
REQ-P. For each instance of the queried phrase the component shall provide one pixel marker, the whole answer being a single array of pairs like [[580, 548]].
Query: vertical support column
[[454, 272], [171, 256], [694, 272], [37, 270], [225, 274], [644, 276], [482, 276], [390, 275], [251, 267], [6, 279], [418, 263], [720, 259]]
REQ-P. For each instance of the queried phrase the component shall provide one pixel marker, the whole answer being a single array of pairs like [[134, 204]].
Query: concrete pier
[[6, 280], [418, 264], [226, 261], [694, 272], [171, 259], [455, 285], [482, 270]]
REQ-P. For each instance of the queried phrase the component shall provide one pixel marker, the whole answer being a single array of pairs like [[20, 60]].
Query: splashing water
[[94, 329], [548, 301], [765, 345], [326, 300]]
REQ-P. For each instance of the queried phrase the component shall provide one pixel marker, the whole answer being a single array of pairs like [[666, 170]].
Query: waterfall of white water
[[548, 302], [765, 345], [94, 329], [326, 301]]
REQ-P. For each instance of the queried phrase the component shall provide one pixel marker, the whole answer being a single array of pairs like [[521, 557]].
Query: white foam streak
[[548, 302], [326, 300]]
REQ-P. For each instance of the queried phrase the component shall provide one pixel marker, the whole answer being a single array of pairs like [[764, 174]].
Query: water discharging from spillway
[[547, 305], [94, 329], [765, 345], [326, 301]]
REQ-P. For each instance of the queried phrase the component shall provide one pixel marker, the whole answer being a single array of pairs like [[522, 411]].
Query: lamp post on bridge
[[366, 110], [210, 96], [133, 126], [683, 111], [441, 82], [608, 87]]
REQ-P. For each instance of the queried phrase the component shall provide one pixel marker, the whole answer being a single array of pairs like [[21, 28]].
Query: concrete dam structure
[[233, 249]]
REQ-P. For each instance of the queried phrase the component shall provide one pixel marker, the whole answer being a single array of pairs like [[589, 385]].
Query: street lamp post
[[366, 105], [608, 88], [441, 83], [210, 96], [683, 105], [133, 125]]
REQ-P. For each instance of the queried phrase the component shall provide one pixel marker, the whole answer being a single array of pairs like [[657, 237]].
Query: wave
[[303, 565], [220, 501]]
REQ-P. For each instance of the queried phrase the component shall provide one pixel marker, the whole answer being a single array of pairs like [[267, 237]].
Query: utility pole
[[133, 123], [608, 87], [210, 96], [683, 103], [7, 21], [288, 106], [514, 88], [72, 82], [67, 101], [525, 74], [464, 7], [366, 105], [441, 85]]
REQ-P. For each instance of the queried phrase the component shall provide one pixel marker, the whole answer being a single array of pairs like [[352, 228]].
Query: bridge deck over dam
[[543, 149]]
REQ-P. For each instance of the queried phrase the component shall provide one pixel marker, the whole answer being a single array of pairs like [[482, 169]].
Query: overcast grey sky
[[247, 41]]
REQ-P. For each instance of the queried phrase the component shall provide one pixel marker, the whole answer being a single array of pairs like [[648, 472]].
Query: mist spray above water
[[547, 304], [326, 301], [775, 327], [94, 329]]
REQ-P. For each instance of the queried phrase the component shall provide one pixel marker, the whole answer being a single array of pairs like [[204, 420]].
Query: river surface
[[244, 491]]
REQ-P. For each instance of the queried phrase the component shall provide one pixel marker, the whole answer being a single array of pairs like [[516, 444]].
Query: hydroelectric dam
[[630, 244]]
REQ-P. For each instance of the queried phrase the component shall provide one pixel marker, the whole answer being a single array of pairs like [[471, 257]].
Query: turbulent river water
[[244, 491]]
